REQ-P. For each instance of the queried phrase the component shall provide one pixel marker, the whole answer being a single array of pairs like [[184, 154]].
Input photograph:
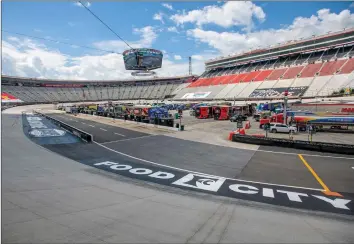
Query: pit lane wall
[[297, 144], [75, 131]]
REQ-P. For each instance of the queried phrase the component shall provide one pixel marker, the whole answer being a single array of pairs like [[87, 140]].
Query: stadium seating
[[276, 74], [249, 89], [251, 76], [348, 67], [330, 68], [236, 90], [263, 75], [267, 84], [292, 72], [31, 94], [283, 83], [226, 89], [310, 70], [334, 83], [302, 82], [316, 85]]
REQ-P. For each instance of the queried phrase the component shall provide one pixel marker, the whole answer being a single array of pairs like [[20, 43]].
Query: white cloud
[[172, 29], [177, 57], [159, 16], [301, 27], [28, 58], [168, 6], [87, 4], [230, 14], [148, 35], [147, 38]]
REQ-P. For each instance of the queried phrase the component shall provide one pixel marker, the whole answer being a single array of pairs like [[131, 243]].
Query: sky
[[201, 30]]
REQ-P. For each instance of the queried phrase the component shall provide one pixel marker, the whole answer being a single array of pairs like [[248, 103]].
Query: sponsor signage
[[39, 129], [196, 95], [278, 92], [252, 191]]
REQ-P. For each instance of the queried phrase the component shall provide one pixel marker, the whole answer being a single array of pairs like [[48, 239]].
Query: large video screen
[[142, 59]]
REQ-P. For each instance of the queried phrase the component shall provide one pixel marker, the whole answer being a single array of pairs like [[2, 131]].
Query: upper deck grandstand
[[319, 66]]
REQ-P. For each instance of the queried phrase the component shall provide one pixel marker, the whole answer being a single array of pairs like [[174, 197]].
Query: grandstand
[[47, 91], [319, 66], [316, 67]]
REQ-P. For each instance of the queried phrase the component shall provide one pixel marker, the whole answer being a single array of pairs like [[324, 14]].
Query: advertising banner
[[196, 95], [278, 92]]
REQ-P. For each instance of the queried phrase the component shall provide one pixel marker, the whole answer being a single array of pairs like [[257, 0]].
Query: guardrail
[[297, 144], [75, 131]]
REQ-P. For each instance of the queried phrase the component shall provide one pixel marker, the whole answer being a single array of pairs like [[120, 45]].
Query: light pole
[[285, 105]]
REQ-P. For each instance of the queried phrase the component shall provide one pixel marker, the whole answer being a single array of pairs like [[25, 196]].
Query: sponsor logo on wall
[[196, 95], [278, 92], [39, 129], [259, 192]]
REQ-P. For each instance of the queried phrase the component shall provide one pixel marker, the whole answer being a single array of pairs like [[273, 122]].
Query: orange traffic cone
[[242, 131]]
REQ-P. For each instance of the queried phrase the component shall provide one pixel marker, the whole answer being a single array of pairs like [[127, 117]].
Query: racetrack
[[262, 165], [191, 216]]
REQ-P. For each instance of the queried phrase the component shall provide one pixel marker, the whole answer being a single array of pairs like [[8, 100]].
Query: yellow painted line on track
[[326, 190]]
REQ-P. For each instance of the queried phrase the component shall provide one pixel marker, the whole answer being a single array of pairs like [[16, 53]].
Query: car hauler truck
[[119, 111], [141, 112], [302, 120], [222, 112], [90, 109], [203, 112]]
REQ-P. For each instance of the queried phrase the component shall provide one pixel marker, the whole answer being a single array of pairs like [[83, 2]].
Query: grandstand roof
[[349, 33]]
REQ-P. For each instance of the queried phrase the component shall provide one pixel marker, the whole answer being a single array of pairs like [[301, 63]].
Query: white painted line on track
[[103, 129], [129, 139], [83, 123], [92, 125], [285, 153], [189, 171], [119, 134]]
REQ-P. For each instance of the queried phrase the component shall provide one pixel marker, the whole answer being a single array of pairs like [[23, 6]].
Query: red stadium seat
[[226, 80], [264, 74], [276, 74], [292, 72], [330, 68], [216, 80], [310, 70], [239, 78], [208, 81], [233, 78], [196, 83], [251, 76], [348, 67]]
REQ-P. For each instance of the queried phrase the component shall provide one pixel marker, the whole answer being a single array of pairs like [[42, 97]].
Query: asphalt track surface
[[271, 165], [102, 132], [48, 198]]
